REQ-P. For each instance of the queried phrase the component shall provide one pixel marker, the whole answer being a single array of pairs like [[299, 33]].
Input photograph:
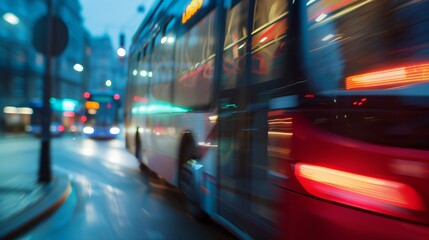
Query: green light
[[69, 104], [158, 108], [66, 104], [230, 106]]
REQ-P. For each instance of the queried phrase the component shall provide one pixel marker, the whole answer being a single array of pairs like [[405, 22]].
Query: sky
[[113, 17]]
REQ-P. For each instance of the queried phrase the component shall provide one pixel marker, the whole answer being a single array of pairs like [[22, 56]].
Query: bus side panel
[[162, 139]]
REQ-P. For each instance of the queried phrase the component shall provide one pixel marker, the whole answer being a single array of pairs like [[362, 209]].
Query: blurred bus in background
[[101, 119], [287, 119]]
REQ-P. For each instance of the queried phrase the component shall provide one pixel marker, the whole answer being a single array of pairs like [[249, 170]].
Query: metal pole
[[45, 153]]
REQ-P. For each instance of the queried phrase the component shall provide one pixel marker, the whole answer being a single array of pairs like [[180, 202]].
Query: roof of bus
[[159, 14], [101, 92], [147, 19]]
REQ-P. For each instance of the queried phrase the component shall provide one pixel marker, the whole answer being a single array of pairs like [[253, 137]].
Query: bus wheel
[[189, 190]]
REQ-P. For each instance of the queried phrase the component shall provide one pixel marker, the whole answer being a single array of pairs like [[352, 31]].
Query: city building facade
[[22, 67]]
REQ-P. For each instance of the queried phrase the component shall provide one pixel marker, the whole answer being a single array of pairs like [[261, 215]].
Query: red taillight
[[61, 128], [389, 78], [383, 196]]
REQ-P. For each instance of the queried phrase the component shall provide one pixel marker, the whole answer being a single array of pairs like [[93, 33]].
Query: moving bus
[[101, 119], [287, 119]]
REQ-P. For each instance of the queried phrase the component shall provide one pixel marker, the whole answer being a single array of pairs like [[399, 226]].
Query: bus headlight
[[88, 130], [114, 130]]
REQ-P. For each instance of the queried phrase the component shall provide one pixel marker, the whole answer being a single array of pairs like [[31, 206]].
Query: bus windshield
[[102, 110]]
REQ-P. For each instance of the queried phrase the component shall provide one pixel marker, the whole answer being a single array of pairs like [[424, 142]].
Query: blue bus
[[101, 119]]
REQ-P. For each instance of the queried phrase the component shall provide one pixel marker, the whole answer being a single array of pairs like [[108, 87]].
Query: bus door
[[247, 173], [233, 167], [232, 162]]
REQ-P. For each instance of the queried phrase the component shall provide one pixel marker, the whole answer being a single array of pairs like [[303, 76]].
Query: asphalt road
[[111, 198]]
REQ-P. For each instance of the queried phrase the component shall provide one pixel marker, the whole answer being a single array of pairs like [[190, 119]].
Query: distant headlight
[[88, 130], [114, 130]]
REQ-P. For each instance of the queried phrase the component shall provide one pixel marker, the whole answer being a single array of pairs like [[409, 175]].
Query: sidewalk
[[24, 202]]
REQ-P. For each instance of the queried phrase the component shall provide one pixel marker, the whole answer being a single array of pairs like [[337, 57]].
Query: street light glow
[[108, 83], [11, 18], [121, 52], [78, 67], [163, 40]]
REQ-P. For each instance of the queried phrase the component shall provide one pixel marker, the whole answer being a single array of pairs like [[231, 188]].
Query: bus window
[[132, 75], [269, 43], [267, 12], [195, 64], [235, 45], [384, 62], [142, 81], [162, 68]]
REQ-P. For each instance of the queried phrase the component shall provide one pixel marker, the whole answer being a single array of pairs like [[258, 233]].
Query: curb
[[29, 217]]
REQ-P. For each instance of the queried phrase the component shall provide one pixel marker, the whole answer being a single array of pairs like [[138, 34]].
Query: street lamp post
[[45, 174], [50, 37]]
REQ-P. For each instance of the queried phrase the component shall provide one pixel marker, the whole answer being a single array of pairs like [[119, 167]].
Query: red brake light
[[389, 78], [86, 95], [383, 196], [116, 96]]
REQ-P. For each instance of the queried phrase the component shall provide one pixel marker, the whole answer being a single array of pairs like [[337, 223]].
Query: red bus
[[287, 119]]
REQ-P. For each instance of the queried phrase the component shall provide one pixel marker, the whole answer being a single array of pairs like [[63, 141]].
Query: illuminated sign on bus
[[92, 105], [191, 9]]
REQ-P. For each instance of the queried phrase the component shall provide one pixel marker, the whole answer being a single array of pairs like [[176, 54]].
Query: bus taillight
[[393, 77], [374, 194]]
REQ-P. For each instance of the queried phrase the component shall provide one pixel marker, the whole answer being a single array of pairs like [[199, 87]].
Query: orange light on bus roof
[[357, 190], [92, 105], [389, 78]]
